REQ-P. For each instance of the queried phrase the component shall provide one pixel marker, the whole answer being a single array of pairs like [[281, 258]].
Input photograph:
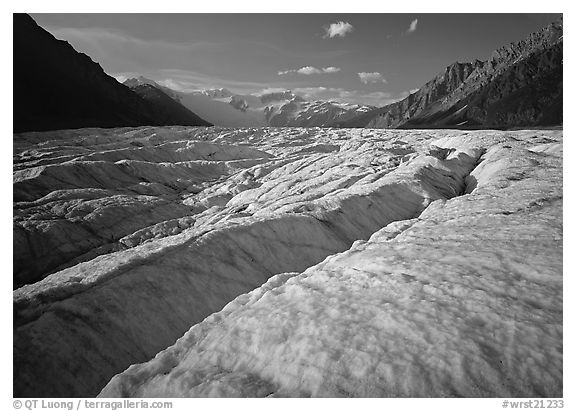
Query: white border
[[299, 6]]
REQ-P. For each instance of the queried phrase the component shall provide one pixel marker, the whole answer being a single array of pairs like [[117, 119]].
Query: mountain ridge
[[56, 87], [462, 84], [166, 108]]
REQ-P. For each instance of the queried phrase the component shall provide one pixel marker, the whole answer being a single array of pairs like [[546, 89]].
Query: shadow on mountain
[[55, 87]]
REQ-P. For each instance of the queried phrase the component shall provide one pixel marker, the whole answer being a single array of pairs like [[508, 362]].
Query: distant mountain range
[[519, 86], [278, 109], [55, 87]]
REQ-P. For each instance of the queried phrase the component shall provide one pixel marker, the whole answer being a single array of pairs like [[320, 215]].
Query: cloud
[[374, 77], [331, 70], [412, 27], [338, 29], [270, 90], [187, 80], [174, 85], [307, 70]]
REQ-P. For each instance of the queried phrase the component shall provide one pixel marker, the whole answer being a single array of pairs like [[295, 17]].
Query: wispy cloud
[[118, 51], [187, 80], [374, 77], [269, 90], [413, 25], [104, 38], [174, 85], [307, 70], [340, 29]]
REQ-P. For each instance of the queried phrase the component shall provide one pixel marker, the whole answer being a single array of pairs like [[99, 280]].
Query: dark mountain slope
[[439, 87], [528, 93], [55, 87], [520, 85]]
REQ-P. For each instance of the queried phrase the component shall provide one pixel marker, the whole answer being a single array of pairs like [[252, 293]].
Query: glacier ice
[[298, 262]]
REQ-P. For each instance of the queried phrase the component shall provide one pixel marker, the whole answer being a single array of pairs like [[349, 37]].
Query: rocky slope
[[300, 113], [448, 281], [55, 87], [520, 85]]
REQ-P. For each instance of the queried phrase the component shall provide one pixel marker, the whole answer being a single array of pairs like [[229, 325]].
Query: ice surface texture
[[453, 289]]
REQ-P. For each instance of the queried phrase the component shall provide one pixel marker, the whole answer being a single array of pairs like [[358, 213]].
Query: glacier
[[271, 262]]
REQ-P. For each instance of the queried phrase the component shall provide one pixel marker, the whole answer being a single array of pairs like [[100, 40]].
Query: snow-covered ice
[[310, 262]]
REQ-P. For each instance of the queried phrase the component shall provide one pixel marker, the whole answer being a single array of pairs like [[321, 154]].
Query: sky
[[370, 59]]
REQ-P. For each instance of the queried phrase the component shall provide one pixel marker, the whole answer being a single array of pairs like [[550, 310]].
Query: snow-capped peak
[[138, 81], [217, 93]]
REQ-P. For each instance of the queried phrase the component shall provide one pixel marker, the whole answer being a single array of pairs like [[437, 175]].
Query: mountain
[[286, 109], [217, 93], [143, 81], [55, 87], [520, 85], [277, 109], [208, 104], [166, 109], [279, 96], [301, 113]]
